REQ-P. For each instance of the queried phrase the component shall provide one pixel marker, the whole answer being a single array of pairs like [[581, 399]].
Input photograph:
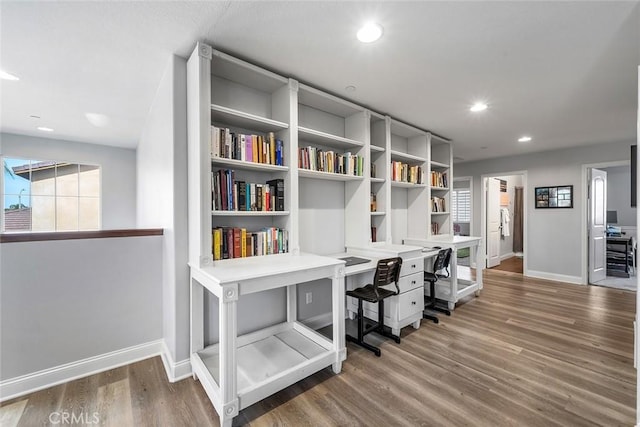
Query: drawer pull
[[413, 282], [413, 303], [413, 266]]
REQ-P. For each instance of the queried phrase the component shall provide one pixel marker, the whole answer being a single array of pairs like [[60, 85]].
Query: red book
[[237, 244]]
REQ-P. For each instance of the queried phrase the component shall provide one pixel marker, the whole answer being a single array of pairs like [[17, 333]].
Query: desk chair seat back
[[442, 260], [387, 272]]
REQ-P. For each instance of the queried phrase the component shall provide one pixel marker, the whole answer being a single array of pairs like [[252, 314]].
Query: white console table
[[459, 285], [239, 371]]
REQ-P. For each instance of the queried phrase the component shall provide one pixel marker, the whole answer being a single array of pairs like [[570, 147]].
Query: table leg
[[338, 302], [228, 330]]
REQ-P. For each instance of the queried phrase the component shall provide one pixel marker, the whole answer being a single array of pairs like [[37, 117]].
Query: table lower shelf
[[267, 361]]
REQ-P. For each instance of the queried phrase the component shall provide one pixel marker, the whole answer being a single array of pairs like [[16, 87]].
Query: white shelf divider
[[307, 173], [317, 137], [229, 116]]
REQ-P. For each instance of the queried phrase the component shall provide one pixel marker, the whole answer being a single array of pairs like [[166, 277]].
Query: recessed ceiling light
[[369, 32], [478, 106], [350, 88], [97, 119], [8, 76], [484, 147], [524, 139], [44, 129], [33, 116]]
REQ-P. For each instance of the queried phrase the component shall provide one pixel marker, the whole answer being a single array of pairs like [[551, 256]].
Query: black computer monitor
[[612, 217]]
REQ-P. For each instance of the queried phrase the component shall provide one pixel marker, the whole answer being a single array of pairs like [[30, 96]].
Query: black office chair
[[387, 272], [440, 263]]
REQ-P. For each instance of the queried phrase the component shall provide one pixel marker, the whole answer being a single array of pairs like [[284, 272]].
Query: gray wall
[[554, 235], [162, 199], [118, 169], [66, 300], [619, 194]]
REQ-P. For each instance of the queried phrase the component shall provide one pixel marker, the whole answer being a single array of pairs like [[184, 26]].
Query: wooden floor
[[512, 265], [526, 353]]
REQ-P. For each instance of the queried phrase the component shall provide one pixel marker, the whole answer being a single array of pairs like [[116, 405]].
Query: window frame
[[455, 205], [78, 197]]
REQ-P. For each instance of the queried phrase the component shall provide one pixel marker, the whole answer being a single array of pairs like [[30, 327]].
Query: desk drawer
[[396, 308], [410, 303], [407, 283], [412, 266]]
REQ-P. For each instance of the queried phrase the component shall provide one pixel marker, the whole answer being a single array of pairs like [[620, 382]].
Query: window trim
[[78, 163]]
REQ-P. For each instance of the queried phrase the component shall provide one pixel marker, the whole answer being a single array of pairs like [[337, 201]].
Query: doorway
[[611, 227], [503, 225], [461, 215]]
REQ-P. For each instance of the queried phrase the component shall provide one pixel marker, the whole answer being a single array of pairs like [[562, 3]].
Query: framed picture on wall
[[554, 197]]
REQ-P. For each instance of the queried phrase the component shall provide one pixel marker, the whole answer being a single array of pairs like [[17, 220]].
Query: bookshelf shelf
[[306, 173], [439, 165], [250, 213], [317, 137], [410, 158], [244, 120], [376, 149], [378, 213], [239, 164], [401, 184], [378, 180], [439, 213], [439, 188]]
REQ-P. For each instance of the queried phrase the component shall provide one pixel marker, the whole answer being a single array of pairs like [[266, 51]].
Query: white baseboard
[[505, 256], [46, 378], [318, 322], [553, 276], [175, 371]]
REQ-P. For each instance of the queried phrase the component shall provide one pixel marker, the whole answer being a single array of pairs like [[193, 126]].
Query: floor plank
[[527, 352]]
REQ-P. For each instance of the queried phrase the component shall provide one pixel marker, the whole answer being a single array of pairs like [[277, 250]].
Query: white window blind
[[461, 205]]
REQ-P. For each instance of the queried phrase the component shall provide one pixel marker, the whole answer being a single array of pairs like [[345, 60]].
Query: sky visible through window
[[17, 189]]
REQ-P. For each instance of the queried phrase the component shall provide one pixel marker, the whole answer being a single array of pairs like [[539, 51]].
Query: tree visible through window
[[50, 196], [461, 205]]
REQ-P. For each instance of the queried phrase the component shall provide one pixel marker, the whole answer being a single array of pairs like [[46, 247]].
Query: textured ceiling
[[563, 72]]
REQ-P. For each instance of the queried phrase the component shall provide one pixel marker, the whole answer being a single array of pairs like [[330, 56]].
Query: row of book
[[438, 204], [248, 148], [435, 228], [439, 179], [235, 242], [230, 195], [403, 172], [316, 159]]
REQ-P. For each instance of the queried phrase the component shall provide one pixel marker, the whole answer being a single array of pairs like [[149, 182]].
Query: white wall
[[162, 199], [66, 300], [619, 194], [118, 168], [554, 235]]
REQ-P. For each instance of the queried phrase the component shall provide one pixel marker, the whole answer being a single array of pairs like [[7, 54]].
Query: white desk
[[400, 310], [460, 285], [239, 371]]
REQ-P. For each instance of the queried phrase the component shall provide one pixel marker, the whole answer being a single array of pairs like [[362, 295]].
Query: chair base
[[377, 327]]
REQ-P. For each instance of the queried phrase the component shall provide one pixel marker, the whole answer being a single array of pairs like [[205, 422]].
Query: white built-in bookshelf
[[313, 173]]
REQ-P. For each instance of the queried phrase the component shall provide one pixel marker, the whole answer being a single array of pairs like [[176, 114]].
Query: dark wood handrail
[[71, 235]]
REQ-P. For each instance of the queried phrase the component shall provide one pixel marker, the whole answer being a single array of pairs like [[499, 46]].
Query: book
[[225, 243], [242, 196], [217, 244], [277, 188], [237, 244]]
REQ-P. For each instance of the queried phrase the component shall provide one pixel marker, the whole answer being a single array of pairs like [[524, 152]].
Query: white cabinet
[[275, 166], [400, 310], [252, 108]]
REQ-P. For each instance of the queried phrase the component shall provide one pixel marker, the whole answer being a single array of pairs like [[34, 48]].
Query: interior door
[[493, 222], [597, 225]]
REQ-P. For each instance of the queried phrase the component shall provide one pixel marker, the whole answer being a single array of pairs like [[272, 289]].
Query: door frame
[[584, 241], [525, 212]]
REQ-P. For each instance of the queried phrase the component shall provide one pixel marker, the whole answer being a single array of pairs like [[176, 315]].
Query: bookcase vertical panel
[[198, 178], [356, 193]]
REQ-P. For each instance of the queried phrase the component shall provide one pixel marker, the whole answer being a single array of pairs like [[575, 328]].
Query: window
[[461, 205], [50, 196]]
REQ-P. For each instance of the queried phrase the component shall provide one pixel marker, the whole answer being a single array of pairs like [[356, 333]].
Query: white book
[[243, 148], [215, 141]]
